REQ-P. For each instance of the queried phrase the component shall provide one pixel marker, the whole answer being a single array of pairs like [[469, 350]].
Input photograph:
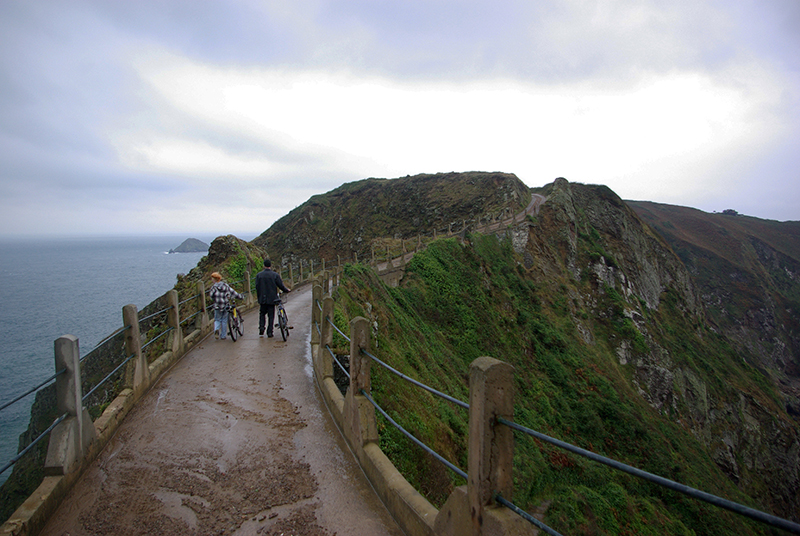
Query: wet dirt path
[[234, 440]]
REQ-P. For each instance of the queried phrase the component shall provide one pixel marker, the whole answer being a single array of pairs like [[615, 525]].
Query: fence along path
[[231, 439]]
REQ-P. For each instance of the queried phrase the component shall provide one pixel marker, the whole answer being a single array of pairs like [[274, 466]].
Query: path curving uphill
[[233, 440]]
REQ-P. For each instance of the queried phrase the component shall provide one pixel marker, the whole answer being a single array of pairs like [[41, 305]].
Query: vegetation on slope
[[345, 221], [457, 303]]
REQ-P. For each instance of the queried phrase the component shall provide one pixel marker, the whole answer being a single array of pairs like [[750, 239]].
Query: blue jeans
[[221, 321]]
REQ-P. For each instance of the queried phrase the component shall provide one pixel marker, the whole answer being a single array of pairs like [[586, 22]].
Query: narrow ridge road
[[233, 440]]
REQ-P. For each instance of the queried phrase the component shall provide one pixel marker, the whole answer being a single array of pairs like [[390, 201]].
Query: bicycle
[[235, 322], [283, 319]]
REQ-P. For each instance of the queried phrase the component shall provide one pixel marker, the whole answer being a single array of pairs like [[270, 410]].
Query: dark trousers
[[267, 309]]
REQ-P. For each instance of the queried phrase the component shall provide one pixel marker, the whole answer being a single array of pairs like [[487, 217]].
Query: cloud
[[138, 114], [367, 125]]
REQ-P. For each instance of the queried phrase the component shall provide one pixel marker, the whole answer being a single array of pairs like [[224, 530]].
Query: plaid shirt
[[221, 294]]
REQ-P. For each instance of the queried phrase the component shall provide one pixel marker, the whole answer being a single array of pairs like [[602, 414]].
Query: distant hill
[[191, 245], [348, 219]]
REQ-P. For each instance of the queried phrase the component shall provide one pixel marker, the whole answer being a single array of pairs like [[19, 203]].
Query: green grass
[[460, 302]]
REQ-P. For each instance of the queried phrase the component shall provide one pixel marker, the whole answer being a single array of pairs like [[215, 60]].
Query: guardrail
[[483, 505]]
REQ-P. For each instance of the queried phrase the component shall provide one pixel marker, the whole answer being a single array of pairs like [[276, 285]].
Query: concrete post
[[323, 264], [291, 275], [311, 264], [138, 372], [174, 321], [491, 447], [301, 270], [316, 302], [326, 282], [202, 318], [326, 339], [250, 301], [359, 412], [70, 439]]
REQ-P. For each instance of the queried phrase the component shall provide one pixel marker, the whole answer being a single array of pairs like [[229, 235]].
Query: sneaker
[[260, 332], [216, 334], [270, 336], [223, 338]]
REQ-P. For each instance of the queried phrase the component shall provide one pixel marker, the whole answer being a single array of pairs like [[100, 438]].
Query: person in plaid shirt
[[221, 294]]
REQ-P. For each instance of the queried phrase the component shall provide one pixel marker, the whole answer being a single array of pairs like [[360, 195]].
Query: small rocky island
[[191, 245]]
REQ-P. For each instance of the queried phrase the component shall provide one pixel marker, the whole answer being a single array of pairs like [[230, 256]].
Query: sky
[[217, 117]]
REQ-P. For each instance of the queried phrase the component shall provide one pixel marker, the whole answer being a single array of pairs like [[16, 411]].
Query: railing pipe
[[33, 443], [339, 331], [419, 384], [675, 486], [33, 389], [109, 375], [99, 344], [525, 515], [148, 317], [416, 441]]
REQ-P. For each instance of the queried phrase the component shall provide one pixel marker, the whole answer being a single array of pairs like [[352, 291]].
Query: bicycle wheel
[[283, 322], [239, 323], [232, 325]]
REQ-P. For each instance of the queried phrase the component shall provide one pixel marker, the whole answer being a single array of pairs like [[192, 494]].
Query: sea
[[77, 286]]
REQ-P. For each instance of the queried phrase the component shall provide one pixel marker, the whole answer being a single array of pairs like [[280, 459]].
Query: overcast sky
[[200, 117]]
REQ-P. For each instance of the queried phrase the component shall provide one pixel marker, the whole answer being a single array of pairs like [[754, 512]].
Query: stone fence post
[[359, 414], [491, 447], [316, 303], [250, 300], [174, 321], [71, 438], [137, 376], [324, 365]]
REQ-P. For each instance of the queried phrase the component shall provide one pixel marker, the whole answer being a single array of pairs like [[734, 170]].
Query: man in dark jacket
[[267, 284]]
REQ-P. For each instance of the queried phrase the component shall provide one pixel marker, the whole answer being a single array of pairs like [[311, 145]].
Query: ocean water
[[75, 286]]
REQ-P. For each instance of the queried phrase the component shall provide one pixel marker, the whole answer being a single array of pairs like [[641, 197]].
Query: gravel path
[[234, 440]]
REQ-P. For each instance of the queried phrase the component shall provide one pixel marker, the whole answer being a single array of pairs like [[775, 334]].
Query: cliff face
[[747, 271], [708, 337]]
